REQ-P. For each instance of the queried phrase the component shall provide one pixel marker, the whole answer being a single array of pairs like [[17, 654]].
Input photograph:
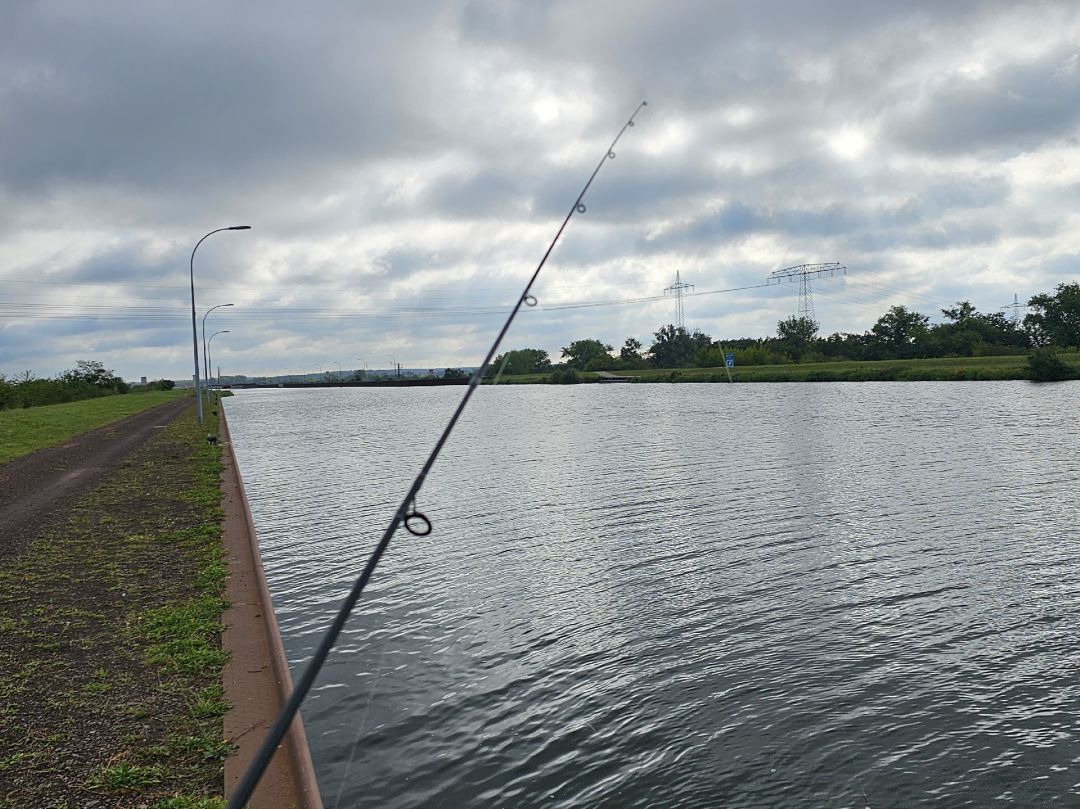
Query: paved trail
[[38, 490]]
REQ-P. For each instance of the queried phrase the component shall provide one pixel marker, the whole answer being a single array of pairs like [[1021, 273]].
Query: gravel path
[[38, 490]]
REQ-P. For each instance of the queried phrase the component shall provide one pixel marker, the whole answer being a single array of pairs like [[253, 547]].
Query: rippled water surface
[[683, 595]]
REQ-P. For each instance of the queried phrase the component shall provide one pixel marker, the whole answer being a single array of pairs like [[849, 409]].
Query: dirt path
[[38, 490], [111, 574], [110, 619]]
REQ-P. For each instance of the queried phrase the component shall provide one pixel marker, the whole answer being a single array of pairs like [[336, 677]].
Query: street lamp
[[338, 364], [208, 342], [206, 363], [395, 365], [194, 333]]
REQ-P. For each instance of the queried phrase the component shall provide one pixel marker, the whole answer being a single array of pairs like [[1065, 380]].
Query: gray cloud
[[1014, 109]]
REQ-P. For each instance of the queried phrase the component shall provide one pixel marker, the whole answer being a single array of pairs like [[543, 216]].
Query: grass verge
[[935, 369], [24, 431], [110, 659]]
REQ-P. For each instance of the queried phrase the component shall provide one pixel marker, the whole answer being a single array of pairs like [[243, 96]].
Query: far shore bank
[[945, 369]]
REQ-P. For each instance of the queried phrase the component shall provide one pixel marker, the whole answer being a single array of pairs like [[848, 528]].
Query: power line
[[37, 311], [866, 291]]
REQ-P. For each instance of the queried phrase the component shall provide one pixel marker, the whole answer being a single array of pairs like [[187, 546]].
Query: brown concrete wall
[[256, 679]]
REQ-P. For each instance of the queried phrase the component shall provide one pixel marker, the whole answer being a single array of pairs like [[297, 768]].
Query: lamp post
[[206, 362], [395, 365], [194, 333], [338, 364], [208, 342]]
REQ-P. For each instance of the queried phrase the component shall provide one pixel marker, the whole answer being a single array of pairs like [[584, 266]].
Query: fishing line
[[406, 511], [360, 728], [502, 367]]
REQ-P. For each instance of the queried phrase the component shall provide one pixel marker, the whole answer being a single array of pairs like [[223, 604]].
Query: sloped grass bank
[[937, 369], [24, 431], [952, 369], [110, 628]]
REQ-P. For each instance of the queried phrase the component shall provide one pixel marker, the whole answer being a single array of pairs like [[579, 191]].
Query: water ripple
[[684, 595]]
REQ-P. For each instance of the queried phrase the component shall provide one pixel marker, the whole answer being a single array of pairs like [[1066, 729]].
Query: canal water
[[781, 595]]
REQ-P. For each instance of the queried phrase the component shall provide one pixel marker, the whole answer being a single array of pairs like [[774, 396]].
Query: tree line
[[1053, 322], [87, 380]]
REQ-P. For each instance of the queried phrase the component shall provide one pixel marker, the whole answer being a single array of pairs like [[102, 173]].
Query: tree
[[675, 347], [583, 352], [454, 373], [521, 361], [631, 349], [898, 329], [1056, 318], [796, 334], [630, 354], [93, 373], [963, 311], [971, 333]]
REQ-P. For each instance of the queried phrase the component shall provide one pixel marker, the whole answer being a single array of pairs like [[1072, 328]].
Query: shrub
[[87, 381], [564, 376], [758, 356], [1044, 365]]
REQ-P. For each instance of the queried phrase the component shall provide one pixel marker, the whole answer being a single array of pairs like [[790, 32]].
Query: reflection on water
[[683, 595]]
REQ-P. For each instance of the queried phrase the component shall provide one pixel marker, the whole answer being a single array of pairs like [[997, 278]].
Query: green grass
[[125, 777], [209, 703], [24, 431], [939, 368], [182, 636], [187, 802], [935, 369]]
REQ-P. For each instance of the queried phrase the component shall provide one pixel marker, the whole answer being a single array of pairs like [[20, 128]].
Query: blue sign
[[729, 358]]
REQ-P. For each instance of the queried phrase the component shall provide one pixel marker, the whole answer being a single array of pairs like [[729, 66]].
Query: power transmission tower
[[676, 289], [802, 273], [1016, 306]]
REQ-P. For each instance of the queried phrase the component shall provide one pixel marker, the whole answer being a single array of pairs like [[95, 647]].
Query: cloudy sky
[[404, 165]]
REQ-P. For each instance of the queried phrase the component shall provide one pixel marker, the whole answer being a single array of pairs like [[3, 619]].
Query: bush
[[564, 376], [758, 356], [604, 363], [1044, 365], [154, 384], [711, 357], [87, 381]]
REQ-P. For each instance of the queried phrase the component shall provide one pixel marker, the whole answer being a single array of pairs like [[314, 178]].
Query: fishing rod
[[414, 521]]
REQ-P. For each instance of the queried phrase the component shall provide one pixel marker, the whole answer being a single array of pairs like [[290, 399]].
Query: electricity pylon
[[676, 289], [802, 273], [1016, 306]]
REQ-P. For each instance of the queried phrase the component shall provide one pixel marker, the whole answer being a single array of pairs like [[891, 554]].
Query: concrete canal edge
[[256, 678]]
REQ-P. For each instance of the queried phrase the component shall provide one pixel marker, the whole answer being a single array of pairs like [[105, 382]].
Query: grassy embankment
[[110, 665], [937, 369], [23, 431]]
